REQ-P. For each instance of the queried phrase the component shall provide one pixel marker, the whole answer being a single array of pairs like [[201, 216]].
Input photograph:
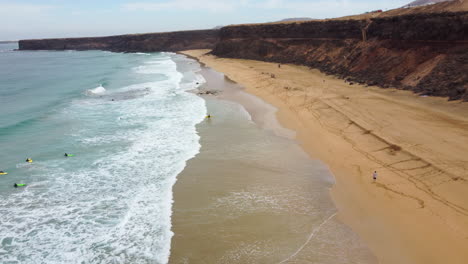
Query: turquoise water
[[130, 123]]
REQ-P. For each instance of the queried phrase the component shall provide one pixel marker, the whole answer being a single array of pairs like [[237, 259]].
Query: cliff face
[[152, 42], [426, 53]]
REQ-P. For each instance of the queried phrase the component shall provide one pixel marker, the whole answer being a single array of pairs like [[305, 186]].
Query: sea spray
[[96, 91]]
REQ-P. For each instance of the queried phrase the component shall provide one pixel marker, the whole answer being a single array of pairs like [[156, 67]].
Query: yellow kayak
[[3, 173]]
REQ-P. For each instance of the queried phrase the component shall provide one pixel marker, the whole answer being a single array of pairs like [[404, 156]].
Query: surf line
[[310, 238]]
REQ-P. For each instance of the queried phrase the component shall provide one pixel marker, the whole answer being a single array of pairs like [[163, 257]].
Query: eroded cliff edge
[[150, 42], [425, 53]]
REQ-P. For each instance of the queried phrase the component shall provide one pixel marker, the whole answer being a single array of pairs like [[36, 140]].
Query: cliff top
[[132, 35], [446, 6]]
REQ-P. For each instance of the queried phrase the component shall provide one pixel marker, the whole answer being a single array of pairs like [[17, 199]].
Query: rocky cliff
[[423, 52], [151, 42], [426, 53]]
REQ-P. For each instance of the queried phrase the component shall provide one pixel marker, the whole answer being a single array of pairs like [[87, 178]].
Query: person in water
[[66, 155]]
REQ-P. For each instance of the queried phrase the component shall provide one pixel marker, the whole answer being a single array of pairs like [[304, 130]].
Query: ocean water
[[130, 122]]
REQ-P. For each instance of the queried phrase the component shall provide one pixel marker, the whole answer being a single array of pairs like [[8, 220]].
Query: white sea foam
[[98, 90], [155, 66], [114, 204]]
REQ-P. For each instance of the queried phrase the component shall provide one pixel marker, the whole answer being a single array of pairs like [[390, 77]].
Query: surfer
[[374, 175], [29, 160], [16, 185], [208, 116], [2, 172]]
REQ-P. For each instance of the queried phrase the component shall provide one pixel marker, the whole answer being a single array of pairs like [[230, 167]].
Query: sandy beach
[[252, 195], [417, 210]]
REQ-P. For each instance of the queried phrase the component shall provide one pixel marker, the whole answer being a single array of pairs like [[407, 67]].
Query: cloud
[[21, 20], [208, 5], [328, 6], [316, 8], [19, 9]]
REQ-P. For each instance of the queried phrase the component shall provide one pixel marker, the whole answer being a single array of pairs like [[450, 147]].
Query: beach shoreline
[[252, 195], [416, 212]]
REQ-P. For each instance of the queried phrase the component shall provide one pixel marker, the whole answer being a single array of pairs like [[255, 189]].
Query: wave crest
[[98, 90]]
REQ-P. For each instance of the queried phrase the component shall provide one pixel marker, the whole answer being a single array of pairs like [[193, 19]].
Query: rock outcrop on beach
[[151, 42], [425, 53]]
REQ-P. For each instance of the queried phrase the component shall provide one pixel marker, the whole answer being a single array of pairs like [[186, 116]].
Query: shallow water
[[253, 195], [130, 123]]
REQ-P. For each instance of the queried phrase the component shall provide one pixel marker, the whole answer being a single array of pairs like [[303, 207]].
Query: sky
[[26, 19]]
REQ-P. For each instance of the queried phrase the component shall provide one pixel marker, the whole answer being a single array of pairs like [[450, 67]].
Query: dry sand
[[417, 211]]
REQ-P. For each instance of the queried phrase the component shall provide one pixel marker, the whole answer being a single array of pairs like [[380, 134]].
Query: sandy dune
[[417, 211]]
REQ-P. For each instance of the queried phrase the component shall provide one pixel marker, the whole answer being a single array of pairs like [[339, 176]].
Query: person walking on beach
[[374, 175]]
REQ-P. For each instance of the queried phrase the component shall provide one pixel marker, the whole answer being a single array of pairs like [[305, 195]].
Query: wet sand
[[417, 211], [252, 195]]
